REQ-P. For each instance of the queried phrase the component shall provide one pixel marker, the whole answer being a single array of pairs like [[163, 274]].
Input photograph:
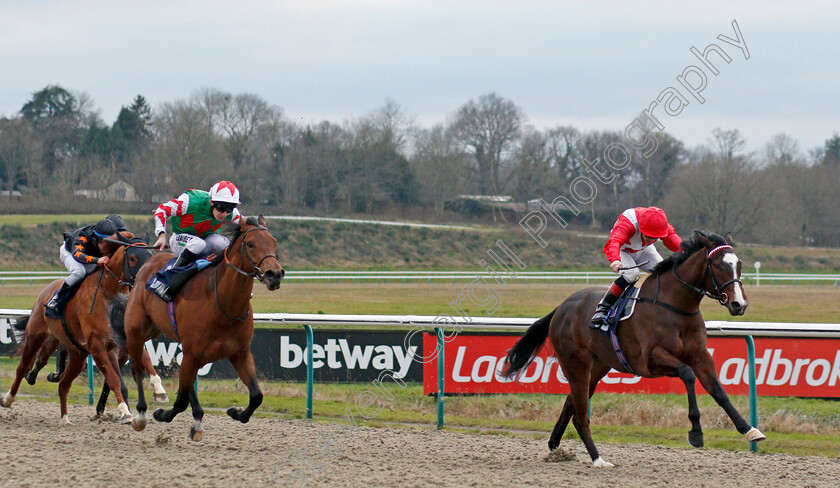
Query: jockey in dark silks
[[81, 252]]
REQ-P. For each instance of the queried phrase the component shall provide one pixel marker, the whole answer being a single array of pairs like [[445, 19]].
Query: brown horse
[[135, 256], [666, 336], [212, 319], [85, 329]]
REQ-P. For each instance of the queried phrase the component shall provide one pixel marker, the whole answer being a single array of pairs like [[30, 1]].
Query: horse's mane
[[232, 230], [687, 248]]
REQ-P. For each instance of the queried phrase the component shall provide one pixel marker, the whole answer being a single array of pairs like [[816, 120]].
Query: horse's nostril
[[736, 305]]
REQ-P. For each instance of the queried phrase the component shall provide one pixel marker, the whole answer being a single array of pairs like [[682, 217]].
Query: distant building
[[118, 191], [6, 194], [499, 201]]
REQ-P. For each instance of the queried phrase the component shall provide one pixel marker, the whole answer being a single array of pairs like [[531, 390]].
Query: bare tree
[[653, 173], [531, 173], [783, 150], [187, 148], [563, 154], [439, 165], [719, 187], [487, 128], [20, 154]]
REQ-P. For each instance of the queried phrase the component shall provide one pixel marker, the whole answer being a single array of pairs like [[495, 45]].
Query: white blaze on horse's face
[[732, 260]]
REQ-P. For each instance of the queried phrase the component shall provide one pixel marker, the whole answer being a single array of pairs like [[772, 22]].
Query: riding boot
[[55, 307], [178, 280], [603, 309], [184, 259], [60, 364]]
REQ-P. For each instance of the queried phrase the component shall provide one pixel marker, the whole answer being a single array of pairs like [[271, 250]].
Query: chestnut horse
[[85, 329], [212, 318], [665, 336], [135, 256]]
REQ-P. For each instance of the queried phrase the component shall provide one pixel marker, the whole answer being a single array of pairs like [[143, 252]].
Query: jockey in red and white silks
[[630, 246]]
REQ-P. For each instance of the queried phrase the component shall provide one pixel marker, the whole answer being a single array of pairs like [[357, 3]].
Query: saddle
[[623, 308], [169, 280]]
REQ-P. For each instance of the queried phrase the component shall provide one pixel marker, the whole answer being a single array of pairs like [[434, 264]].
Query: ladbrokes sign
[[784, 367]]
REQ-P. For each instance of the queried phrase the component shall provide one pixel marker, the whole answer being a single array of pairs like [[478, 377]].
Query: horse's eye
[[717, 266], [250, 245]]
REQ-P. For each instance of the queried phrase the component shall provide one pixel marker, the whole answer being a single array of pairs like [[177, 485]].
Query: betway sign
[[784, 367], [336, 355], [358, 356]]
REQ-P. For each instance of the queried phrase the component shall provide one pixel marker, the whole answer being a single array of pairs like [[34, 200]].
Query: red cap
[[653, 223]]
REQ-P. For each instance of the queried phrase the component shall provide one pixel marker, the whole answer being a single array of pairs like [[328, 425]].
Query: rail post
[[90, 379], [753, 396], [441, 375], [310, 341]]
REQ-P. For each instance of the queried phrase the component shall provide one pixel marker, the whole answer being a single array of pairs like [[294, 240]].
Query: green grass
[[30, 243], [779, 303]]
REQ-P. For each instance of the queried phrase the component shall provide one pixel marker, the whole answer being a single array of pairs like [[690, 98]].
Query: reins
[[257, 273], [126, 269], [719, 295]]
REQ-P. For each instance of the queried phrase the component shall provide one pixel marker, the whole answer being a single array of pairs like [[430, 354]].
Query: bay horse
[[136, 254], [85, 329], [665, 336], [211, 317]]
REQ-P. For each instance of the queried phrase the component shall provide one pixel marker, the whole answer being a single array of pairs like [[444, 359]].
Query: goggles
[[224, 206]]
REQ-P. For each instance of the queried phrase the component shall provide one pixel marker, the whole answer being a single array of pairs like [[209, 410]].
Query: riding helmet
[[224, 191], [117, 220], [104, 228], [653, 223]]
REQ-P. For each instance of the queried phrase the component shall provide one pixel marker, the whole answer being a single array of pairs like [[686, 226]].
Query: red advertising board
[[784, 367]]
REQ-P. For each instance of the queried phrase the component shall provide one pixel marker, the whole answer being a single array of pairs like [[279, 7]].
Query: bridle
[[258, 273], [129, 276], [126, 271], [719, 294]]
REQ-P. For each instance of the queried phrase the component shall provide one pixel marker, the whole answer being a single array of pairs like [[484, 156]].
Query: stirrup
[[599, 319], [51, 310], [161, 290]]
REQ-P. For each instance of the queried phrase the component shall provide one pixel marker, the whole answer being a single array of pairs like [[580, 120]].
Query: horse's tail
[[116, 318], [19, 332], [523, 352]]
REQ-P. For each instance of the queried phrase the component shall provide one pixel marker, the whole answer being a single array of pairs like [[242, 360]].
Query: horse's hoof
[[196, 431], [600, 463], [755, 435], [235, 413], [53, 377], [30, 378], [139, 421], [552, 444], [64, 421], [695, 439], [125, 413], [6, 400], [160, 395], [158, 415]]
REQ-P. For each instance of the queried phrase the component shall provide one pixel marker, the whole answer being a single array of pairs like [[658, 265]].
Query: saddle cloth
[[624, 307], [166, 282]]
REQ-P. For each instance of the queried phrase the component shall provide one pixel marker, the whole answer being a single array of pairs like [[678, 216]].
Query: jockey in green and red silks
[[630, 249], [195, 217]]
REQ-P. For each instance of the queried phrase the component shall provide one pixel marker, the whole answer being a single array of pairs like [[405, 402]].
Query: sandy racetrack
[[275, 452]]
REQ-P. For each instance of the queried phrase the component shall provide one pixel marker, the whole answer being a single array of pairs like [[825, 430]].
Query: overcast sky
[[594, 65]]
